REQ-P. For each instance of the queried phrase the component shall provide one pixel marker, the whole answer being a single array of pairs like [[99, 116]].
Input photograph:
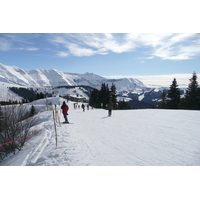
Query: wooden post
[[54, 125], [57, 116]]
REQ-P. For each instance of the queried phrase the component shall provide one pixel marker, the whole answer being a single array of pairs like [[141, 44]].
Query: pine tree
[[183, 103], [40, 95], [113, 96], [94, 98], [122, 105], [191, 96], [163, 102], [173, 96], [198, 94], [104, 95], [32, 111]]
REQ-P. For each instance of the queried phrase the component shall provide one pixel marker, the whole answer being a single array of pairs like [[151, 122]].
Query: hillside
[[127, 138]]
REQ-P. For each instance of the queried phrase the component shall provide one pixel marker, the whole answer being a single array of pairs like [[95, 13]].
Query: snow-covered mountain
[[15, 75], [41, 79], [54, 78]]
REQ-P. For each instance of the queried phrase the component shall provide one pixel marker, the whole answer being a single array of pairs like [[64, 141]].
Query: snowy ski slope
[[127, 138]]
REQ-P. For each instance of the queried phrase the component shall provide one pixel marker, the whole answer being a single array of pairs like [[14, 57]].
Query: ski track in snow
[[37, 150], [127, 138]]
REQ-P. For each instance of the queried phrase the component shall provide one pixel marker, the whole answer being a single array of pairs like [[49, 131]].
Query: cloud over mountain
[[171, 46]]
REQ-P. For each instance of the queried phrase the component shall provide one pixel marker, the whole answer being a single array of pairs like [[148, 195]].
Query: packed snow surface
[[128, 138]]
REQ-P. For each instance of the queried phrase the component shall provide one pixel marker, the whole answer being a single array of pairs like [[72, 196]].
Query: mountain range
[[132, 90]]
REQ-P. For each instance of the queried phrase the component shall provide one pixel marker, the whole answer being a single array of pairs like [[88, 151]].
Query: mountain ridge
[[53, 77], [12, 76]]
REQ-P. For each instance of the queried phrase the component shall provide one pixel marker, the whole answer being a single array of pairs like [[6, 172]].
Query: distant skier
[[65, 109], [110, 107], [88, 106], [83, 107], [109, 112]]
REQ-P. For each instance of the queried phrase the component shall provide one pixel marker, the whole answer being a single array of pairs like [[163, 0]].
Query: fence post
[[57, 116], [54, 124]]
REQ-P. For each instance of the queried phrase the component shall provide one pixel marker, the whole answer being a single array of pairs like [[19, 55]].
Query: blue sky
[[106, 54]]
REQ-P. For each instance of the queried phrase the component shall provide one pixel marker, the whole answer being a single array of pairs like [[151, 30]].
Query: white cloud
[[170, 46], [167, 46], [27, 48], [181, 37], [179, 52], [150, 57], [57, 39], [78, 51], [153, 40], [190, 50], [118, 47], [17, 42], [91, 44], [5, 45], [32, 49], [62, 54], [177, 47]]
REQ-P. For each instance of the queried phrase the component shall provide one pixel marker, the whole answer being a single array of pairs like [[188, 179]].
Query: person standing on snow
[[65, 109], [110, 107], [83, 107]]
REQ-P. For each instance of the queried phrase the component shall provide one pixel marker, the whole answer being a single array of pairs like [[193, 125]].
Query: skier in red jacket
[[65, 109]]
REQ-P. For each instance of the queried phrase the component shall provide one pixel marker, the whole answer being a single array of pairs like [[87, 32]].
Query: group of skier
[[76, 105], [65, 109]]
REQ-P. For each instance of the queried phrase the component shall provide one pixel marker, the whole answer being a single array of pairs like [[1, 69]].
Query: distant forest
[[29, 94]]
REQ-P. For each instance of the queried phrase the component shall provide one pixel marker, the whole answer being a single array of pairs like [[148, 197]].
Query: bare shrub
[[16, 122]]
